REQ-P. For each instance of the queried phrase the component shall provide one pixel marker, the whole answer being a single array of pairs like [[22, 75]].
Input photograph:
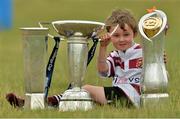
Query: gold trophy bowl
[[151, 26]]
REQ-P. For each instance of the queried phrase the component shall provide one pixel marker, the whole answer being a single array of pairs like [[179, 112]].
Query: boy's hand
[[104, 36], [105, 40], [139, 63]]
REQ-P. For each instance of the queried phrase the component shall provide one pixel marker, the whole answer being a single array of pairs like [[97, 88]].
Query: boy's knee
[[86, 87]]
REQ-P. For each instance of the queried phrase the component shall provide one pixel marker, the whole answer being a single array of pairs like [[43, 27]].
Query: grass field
[[28, 13]]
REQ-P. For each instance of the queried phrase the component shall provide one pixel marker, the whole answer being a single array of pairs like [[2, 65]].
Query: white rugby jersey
[[123, 67]]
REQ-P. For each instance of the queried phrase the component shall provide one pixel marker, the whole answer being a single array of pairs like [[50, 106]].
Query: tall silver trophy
[[77, 33], [34, 46], [154, 78]]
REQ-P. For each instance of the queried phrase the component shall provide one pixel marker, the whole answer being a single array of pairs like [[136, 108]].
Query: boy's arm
[[102, 65], [101, 61]]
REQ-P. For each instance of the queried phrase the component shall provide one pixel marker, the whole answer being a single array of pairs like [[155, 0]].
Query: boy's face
[[122, 38]]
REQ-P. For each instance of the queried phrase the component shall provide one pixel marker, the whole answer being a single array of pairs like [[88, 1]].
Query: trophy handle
[[51, 62], [49, 35], [50, 67], [92, 50]]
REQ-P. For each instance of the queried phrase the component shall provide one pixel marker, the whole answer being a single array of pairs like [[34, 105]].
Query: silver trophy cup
[[154, 79], [34, 46], [77, 33]]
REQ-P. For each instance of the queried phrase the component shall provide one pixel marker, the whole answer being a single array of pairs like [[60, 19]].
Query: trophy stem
[[76, 98], [77, 59]]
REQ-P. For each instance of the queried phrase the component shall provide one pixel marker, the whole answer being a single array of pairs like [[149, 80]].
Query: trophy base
[[75, 99], [34, 101], [153, 100]]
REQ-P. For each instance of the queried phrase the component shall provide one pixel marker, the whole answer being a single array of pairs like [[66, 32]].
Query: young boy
[[123, 64]]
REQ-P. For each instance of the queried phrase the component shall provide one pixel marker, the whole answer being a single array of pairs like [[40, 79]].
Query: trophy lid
[[68, 28]]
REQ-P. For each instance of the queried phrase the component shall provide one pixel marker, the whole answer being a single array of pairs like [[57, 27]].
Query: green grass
[[30, 12]]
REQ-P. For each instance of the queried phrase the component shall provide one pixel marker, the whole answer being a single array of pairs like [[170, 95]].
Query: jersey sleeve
[[111, 69]]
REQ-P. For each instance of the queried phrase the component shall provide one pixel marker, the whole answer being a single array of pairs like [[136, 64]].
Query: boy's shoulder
[[114, 53], [137, 46]]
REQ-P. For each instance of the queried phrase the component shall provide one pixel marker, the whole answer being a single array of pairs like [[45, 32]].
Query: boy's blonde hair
[[121, 17]]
